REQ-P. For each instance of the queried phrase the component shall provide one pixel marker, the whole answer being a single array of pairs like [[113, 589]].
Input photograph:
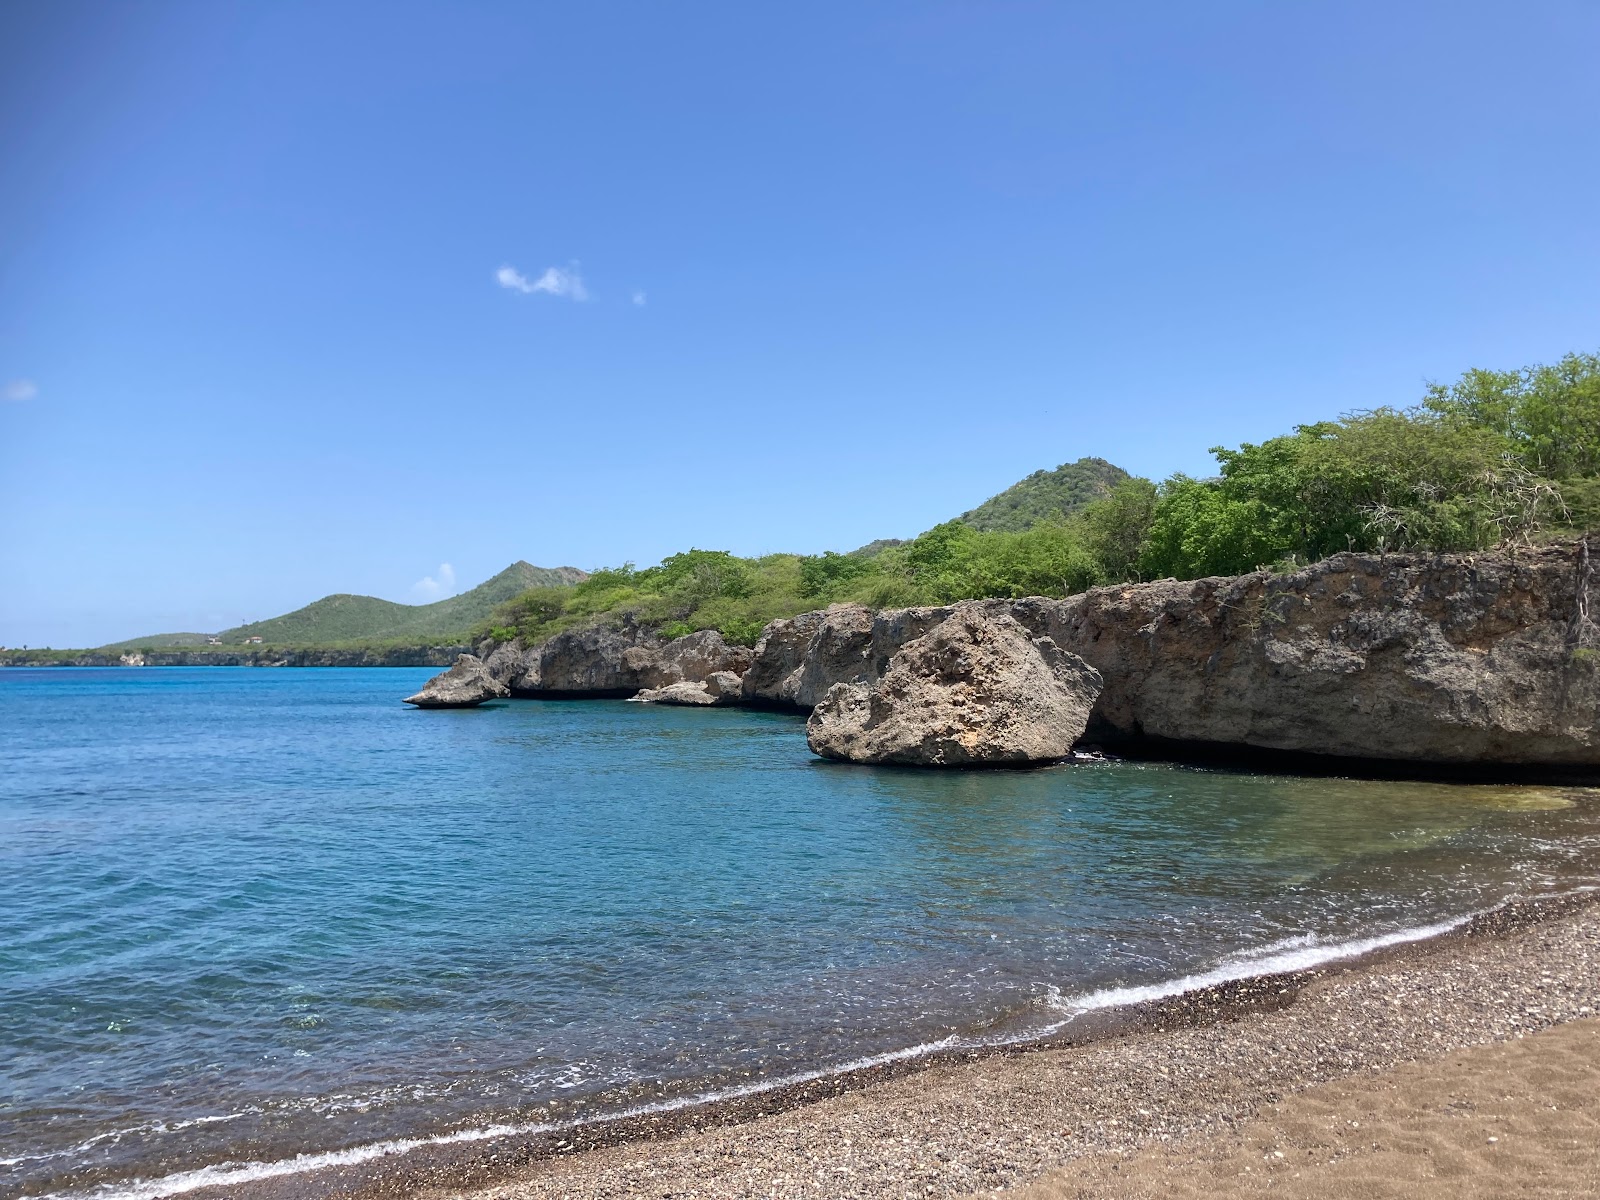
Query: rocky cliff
[[1437, 659], [615, 661]]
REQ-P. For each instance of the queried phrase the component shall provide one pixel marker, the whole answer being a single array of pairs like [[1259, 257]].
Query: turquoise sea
[[252, 914]]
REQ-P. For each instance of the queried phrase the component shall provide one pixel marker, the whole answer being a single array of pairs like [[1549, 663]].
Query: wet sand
[[1512, 1119], [1426, 1048]]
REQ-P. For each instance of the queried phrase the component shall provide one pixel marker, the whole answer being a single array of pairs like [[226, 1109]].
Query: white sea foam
[[116, 1135], [227, 1173], [1289, 954]]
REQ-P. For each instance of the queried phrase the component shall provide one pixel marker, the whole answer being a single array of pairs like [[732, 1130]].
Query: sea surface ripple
[[248, 915]]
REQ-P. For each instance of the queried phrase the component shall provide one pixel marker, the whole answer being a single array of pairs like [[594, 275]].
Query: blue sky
[[781, 277]]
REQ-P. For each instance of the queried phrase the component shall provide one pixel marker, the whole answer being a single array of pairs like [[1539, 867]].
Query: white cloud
[[639, 298], [556, 281], [20, 389], [436, 586]]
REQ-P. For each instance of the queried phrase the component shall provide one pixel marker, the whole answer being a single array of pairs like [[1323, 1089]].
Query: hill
[[1045, 496], [346, 618], [160, 641]]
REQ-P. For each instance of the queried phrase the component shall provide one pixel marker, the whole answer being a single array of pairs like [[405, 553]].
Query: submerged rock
[[977, 689], [694, 694], [721, 688], [462, 686]]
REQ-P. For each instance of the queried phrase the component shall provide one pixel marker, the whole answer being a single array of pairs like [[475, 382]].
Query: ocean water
[[252, 914]]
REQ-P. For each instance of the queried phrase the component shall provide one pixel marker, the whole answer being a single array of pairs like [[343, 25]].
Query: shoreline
[[527, 1158]]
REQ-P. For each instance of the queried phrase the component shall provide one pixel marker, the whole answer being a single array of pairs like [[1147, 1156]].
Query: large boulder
[[464, 685], [798, 660], [725, 687], [976, 690], [700, 655]]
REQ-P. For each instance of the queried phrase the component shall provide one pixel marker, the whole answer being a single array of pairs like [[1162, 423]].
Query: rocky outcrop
[[1438, 659], [725, 687], [976, 690], [719, 688], [1431, 659], [1448, 660], [689, 694], [466, 684], [798, 660], [612, 660]]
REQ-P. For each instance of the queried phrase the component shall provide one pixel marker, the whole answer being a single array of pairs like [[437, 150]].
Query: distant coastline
[[241, 656]]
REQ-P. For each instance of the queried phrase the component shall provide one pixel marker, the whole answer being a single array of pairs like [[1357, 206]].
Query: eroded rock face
[[977, 689], [1431, 659], [798, 660], [725, 687], [606, 660], [1428, 659], [464, 685]]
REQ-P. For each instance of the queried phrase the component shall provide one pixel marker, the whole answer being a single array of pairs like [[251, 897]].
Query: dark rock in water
[[462, 686], [693, 694], [978, 689]]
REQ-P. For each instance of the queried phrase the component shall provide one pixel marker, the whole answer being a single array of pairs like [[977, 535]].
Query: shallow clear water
[[249, 913]]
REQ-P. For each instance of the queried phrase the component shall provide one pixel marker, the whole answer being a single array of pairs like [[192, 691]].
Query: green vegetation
[[159, 641], [347, 621], [698, 589], [1495, 458], [1046, 496]]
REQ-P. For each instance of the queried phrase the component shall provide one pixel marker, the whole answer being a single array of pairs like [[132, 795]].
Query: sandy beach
[[1386, 1078], [1516, 1118]]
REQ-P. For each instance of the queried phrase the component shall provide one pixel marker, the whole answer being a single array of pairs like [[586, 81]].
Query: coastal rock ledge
[[464, 685], [1445, 660], [976, 690]]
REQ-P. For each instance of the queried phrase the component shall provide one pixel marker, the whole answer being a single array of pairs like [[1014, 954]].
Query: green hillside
[[346, 618], [160, 641], [1045, 496]]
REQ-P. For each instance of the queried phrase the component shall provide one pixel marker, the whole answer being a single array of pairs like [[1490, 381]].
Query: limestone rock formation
[[689, 694], [798, 660], [725, 687], [612, 660], [1409, 658], [1486, 658], [720, 688], [975, 690], [466, 684]]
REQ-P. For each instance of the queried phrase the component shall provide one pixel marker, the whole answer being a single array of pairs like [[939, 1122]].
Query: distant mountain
[[1046, 495], [346, 618]]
